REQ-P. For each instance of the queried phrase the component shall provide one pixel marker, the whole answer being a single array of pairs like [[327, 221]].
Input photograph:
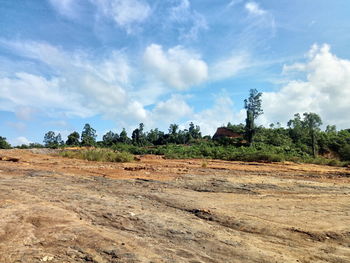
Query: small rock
[[47, 258]]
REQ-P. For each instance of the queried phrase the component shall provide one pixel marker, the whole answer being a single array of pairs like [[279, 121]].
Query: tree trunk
[[313, 141]]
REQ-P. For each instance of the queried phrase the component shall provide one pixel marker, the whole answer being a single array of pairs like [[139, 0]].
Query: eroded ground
[[155, 210]]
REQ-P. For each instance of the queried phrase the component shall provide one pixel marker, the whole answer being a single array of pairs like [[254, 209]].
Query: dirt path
[[155, 210]]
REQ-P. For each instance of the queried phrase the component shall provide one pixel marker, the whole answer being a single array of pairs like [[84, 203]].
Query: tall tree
[[110, 138], [312, 123], [194, 131], [123, 137], [138, 136], [254, 110], [88, 136], [73, 139], [52, 140]]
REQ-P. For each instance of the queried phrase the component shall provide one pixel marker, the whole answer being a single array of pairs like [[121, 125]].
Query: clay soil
[[54, 209]]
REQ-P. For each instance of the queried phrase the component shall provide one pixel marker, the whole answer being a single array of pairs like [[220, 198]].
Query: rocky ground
[[63, 210]]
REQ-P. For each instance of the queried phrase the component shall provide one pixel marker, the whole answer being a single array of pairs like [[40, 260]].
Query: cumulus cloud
[[125, 13], [189, 22], [21, 140], [78, 84], [176, 67], [219, 114], [172, 110], [323, 87]]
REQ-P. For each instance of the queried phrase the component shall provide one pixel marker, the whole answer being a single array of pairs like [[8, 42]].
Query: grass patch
[[98, 155]]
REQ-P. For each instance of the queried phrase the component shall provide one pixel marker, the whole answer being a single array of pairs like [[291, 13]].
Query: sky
[[117, 63]]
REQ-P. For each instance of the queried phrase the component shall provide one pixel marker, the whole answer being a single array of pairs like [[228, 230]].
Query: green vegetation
[[100, 155], [51, 140], [254, 110], [4, 144], [302, 140]]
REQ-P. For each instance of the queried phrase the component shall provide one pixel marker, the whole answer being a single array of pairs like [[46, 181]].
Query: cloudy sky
[[116, 63]]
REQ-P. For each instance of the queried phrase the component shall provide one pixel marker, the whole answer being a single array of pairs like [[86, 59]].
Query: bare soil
[[54, 209]]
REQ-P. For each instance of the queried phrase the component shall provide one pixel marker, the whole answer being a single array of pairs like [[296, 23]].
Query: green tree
[[88, 136], [4, 144], [138, 136], [296, 129], [312, 123], [155, 137], [110, 138], [173, 133], [254, 110], [194, 131], [123, 137], [73, 139], [52, 140]]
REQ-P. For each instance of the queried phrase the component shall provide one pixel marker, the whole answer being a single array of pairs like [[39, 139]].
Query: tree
[[138, 137], [88, 136], [155, 137], [123, 137], [312, 123], [173, 129], [110, 138], [73, 139], [296, 129], [4, 144], [194, 131], [254, 110], [52, 140]]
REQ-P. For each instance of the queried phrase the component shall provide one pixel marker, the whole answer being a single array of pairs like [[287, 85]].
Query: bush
[[345, 153], [99, 155]]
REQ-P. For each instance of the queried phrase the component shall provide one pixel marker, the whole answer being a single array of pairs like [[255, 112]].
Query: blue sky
[[116, 63]]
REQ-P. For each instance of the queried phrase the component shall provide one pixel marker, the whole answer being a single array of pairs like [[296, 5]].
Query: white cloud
[[64, 7], [254, 9], [260, 27], [189, 22], [125, 13], [176, 67], [25, 113], [234, 2], [229, 67], [219, 114], [323, 88], [21, 140], [172, 110], [78, 85]]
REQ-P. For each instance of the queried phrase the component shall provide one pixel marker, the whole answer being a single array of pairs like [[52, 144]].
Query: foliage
[[110, 138], [298, 142], [88, 136], [253, 103], [73, 139], [100, 155], [4, 144], [51, 140], [345, 152], [253, 107]]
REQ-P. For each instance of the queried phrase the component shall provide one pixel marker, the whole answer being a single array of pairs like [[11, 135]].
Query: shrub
[[99, 155], [345, 152]]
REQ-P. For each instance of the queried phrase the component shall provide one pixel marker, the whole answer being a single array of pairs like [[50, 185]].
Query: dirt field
[[63, 210]]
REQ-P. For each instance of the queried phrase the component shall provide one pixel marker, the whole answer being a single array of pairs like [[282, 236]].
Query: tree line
[[302, 137]]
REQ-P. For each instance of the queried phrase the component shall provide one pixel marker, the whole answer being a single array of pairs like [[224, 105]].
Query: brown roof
[[226, 132]]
